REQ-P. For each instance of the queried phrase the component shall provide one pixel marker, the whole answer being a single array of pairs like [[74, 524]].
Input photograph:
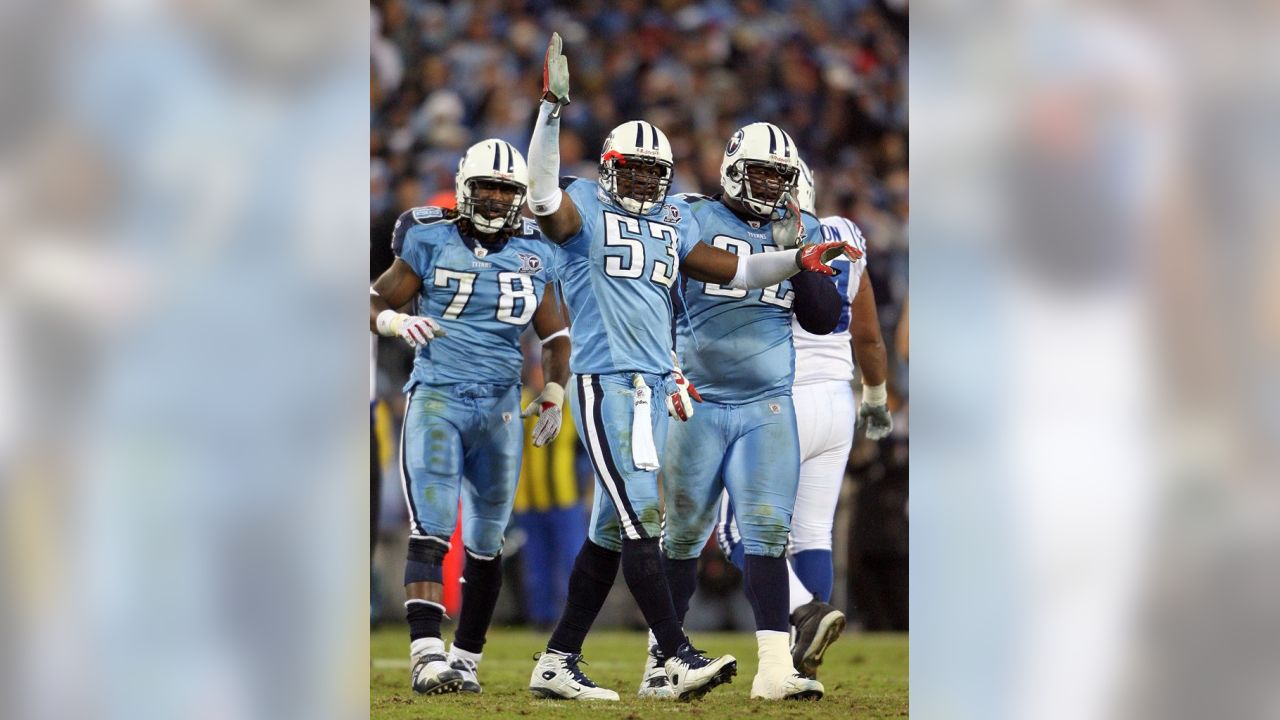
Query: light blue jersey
[[616, 274], [483, 300], [735, 345]]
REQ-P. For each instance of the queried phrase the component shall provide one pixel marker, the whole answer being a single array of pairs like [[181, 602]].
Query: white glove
[[786, 230], [874, 412], [413, 329], [547, 407], [555, 74], [679, 403]]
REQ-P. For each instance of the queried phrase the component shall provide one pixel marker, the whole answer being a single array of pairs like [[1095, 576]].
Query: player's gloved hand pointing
[[413, 329], [680, 402], [874, 412], [814, 258], [555, 74], [547, 406]]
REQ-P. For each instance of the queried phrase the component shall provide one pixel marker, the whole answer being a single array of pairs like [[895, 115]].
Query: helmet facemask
[[637, 183], [763, 184], [492, 205]]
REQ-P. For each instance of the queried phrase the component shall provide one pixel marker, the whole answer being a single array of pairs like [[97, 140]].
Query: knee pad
[[425, 557]]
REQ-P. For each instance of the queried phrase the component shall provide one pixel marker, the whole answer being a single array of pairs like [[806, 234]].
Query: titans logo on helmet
[[735, 142]]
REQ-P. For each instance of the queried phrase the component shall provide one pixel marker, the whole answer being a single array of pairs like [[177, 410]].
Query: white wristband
[[553, 392], [875, 394], [387, 323]]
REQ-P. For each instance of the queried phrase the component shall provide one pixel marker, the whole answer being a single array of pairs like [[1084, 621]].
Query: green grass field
[[865, 677]]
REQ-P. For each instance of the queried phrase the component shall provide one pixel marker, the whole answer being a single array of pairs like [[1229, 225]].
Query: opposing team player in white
[[619, 245], [824, 402], [475, 277]]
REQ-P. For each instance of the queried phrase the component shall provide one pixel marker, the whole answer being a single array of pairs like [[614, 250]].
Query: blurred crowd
[[832, 73]]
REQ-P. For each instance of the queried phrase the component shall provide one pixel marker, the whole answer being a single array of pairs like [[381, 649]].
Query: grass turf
[[865, 677]]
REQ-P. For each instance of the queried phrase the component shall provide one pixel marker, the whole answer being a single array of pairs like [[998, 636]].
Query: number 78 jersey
[[617, 274], [483, 300]]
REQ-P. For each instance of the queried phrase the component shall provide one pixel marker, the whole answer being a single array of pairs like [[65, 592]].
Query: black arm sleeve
[[817, 305]]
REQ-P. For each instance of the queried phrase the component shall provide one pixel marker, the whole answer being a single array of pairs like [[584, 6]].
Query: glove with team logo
[[413, 329], [547, 407], [874, 412], [555, 75], [814, 258], [680, 402], [786, 230]]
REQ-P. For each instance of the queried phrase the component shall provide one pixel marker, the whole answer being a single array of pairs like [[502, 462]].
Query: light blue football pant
[[465, 441], [626, 500], [750, 450]]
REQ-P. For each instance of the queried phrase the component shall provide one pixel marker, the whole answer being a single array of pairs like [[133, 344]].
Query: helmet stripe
[[786, 143], [497, 157], [639, 133], [511, 157], [655, 136], [773, 141]]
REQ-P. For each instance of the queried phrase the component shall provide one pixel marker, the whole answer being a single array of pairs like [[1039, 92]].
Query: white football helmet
[[636, 158], [762, 145], [805, 193], [494, 161]]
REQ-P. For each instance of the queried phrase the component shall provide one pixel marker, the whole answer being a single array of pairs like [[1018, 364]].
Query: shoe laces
[[463, 664], [570, 663], [692, 656]]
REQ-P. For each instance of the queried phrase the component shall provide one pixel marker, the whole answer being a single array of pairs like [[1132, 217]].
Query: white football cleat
[[785, 684], [693, 674], [467, 669], [655, 683], [558, 677], [432, 675]]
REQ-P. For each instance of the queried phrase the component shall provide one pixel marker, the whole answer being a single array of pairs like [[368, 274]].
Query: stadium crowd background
[[832, 73]]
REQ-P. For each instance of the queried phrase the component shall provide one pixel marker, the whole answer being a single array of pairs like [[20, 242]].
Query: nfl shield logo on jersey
[[529, 263]]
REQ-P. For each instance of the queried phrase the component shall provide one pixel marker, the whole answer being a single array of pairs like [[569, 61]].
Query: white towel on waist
[[643, 452]]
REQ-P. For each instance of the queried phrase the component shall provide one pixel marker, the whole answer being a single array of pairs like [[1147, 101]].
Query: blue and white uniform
[[462, 417], [735, 347], [616, 274]]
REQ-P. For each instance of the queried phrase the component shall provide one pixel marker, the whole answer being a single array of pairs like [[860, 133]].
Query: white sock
[[799, 593], [653, 640], [426, 646], [458, 652], [774, 651]]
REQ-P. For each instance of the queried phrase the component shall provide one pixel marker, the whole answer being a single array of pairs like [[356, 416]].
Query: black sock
[[682, 578], [424, 619], [481, 581], [642, 568], [767, 585], [593, 574]]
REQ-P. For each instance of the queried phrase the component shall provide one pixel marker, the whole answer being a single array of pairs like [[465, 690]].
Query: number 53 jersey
[[483, 300], [617, 274]]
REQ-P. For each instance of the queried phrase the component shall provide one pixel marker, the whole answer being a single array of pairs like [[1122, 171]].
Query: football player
[[736, 349], [619, 245], [824, 404], [475, 277]]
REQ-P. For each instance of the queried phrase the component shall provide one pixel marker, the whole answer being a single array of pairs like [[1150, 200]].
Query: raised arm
[[548, 323], [558, 220], [711, 264]]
